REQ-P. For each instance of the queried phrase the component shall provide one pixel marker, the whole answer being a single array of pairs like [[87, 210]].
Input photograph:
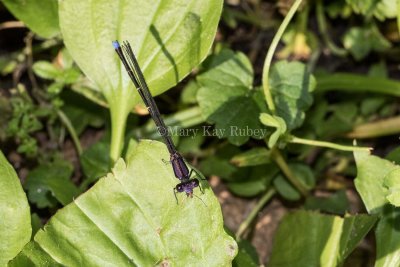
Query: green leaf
[[95, 161], [371, 174], [392, 182], [381, 9], [227, 99], [253, 157], [15, 222], [49, 181], [247, 255], [275, 122], [33, 255], [169, 39], [254, 181], [41, 16], [189, 93], [336, 203], [291, 86], [286, 189], [46, 70], [361, 41], [307, 239], [394, 155], [130, 217]]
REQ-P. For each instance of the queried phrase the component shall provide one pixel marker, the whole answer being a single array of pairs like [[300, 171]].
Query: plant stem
[[280, 161], [118, 124], [357, 83], [298, 140], [71, 130], [263, 200], [375, 129], [270, 53], [324, 32]]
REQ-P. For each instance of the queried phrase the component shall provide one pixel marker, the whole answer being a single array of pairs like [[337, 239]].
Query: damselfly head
[[187, 186]]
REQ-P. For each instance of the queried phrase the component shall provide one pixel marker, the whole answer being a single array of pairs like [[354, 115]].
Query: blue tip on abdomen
[[115, 44]]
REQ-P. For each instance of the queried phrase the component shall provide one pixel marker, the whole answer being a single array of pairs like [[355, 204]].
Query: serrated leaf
[[361, 41], [41, 16], [131, 217], [253, 157], [291, 86], [169, 38], [15, 220], [307, 239], [275, 122], [51, 181], [227, 99], [371, 173]]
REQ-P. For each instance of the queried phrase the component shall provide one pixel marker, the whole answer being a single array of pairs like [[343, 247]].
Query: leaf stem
[[322, 25], [270, 53], [71, 130], [118, 124], [298, 140], [351, 83], [280, 161], [375, 129], [260, 204]]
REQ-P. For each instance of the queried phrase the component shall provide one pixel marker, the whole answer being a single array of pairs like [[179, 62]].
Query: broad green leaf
[[41, 16], [51, 181], [336, 203], [33, 255], [275, 122], [361, 41], [253, 181], [253, 157], [219, 164], [169, 38], [227, 99], [392, 182], [131, 218], [394, 155], [307, 239], [15, 219], [305, 176], [371, 174], [95, 161], [247, 255], [189, 93], [387, 235], [291, 87]]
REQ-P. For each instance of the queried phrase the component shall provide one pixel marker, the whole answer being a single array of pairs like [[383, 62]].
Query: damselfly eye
[[179, 188]]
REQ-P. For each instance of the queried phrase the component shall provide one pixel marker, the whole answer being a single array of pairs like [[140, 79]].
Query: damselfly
[[181, 171]]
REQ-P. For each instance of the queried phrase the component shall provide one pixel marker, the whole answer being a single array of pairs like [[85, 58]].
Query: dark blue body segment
[[181, 171]]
